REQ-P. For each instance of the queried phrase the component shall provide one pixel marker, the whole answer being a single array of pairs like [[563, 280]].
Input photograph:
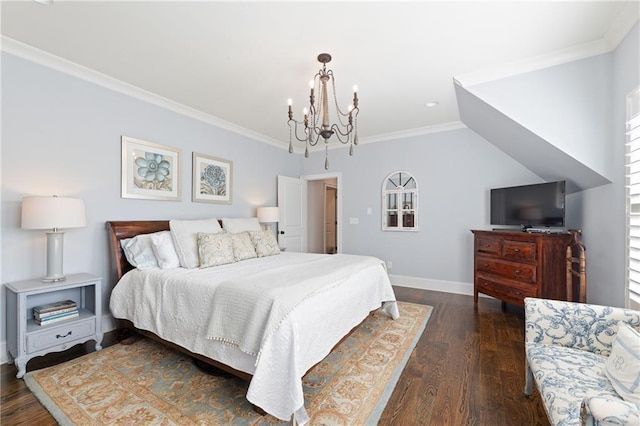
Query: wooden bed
[[119, 230]]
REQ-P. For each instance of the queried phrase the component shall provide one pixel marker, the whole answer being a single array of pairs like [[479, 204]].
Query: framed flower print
[[212, 179], [150, 171]]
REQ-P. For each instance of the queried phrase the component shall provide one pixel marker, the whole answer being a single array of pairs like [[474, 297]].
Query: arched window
[[400, 202]]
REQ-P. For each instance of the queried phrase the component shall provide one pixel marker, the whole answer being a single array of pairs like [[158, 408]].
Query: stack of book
[[54, 312]]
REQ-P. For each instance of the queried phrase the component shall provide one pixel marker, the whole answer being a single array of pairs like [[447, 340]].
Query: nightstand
[[26, 339]]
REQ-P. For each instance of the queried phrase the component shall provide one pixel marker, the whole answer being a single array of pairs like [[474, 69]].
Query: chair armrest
[[600, 410], [575, 325]]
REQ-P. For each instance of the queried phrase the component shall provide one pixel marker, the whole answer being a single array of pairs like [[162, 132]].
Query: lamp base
[[54, 257], [54, 279]]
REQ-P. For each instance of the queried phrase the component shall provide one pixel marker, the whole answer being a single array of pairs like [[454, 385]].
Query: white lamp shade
[[53, 213], [268, 214]]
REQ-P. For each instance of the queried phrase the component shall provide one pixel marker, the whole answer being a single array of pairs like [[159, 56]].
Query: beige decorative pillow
[[215, 249], [242, 246], [264, 242]]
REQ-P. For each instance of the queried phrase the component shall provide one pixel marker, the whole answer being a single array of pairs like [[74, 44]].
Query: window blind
[[633, 199]]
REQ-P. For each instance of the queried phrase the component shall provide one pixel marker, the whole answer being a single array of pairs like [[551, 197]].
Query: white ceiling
[[236, 63]]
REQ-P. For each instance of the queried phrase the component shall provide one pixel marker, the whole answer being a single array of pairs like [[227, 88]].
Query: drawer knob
[[486, 265], [517, 271], [60, 336], [485, 284], [516, 250], [517, 293]]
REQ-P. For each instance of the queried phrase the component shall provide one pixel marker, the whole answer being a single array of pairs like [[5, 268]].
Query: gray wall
[[567, 105], [604, 207], [580, 108], [61, 135], [455, 171]]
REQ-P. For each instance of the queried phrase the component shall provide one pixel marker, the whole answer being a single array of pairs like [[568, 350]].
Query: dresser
[[512, 265]]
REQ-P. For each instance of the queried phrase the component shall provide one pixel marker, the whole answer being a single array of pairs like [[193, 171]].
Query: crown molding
[[624, 22], [559, 57], [32, 54], [419, 131]]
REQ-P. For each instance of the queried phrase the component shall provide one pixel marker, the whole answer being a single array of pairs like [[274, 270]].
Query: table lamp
[[53, 213], [268, 215]]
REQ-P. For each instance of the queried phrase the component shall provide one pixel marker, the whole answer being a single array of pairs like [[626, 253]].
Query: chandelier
[[316, 122]]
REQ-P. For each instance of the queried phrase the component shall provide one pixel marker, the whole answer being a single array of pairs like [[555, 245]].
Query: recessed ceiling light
[[45, 2], [432, 104]]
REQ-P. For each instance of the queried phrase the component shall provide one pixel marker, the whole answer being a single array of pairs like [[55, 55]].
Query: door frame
[[322, 176], [325, 191]]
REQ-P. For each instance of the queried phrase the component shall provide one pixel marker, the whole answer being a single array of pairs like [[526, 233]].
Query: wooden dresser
[[512, 265]]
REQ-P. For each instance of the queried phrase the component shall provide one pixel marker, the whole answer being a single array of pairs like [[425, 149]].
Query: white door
[[290, 202]]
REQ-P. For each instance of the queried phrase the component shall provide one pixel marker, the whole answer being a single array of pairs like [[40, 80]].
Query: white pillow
[[623, 365], [185, 238], [139, 251], [235, 225], [264, 242], [163, 248], [215, 249]]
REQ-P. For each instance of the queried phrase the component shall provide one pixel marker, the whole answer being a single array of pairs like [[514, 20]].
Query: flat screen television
[[539, 205]]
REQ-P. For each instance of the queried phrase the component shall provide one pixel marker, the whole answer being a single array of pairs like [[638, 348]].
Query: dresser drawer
[[489, 245], [57, 335], [504, 292], [519, 250], [516, 271]]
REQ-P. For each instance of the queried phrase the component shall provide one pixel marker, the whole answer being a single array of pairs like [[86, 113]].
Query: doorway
[[330, 219], [323, 227]]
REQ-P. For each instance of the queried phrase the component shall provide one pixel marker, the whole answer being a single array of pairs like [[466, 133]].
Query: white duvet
[[177, 305]]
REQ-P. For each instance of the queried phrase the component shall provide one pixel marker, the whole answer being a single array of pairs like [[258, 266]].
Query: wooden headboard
[[120, 230]]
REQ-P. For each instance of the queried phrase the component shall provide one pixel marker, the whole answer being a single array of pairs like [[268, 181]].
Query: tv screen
[[529, 206]]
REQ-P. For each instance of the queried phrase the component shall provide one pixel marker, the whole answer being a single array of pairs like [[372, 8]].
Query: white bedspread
[[176, 304]]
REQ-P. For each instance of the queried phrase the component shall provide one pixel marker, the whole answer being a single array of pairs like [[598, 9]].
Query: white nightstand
[[26, 339]]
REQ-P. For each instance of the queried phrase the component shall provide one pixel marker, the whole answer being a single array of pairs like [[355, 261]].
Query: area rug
[[146, 383]]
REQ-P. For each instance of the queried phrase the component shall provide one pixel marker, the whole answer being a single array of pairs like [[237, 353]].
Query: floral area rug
[[146, 383]]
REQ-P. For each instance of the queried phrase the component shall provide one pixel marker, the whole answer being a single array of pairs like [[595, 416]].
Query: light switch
[[369, 211], [354, 221]]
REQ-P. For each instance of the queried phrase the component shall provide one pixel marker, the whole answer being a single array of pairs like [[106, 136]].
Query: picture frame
[[212, 179], [150, 171]]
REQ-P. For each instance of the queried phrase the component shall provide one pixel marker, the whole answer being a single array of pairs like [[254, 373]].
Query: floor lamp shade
[[53, 213]]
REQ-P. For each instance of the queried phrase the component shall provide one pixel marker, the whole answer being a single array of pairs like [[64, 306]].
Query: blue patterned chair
[[567, 346]]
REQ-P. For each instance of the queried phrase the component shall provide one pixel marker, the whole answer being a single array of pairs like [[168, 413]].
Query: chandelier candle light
[[316, 119]]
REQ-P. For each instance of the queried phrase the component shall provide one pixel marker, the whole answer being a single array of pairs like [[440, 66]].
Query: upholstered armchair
[[568, 347]]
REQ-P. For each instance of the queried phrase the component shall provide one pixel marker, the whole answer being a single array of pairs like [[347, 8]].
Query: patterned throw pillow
[[264, 242], [242, 246], [623, 365], [215, 249]]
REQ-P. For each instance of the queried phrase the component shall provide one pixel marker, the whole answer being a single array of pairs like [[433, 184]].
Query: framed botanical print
[[150, 171], [212, 179]]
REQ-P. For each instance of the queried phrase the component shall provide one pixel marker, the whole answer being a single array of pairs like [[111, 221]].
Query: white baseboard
[[108, 324], [4, 357], [431, 284]]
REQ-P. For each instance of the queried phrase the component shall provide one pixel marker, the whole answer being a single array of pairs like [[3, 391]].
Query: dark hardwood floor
[[467, 369]]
